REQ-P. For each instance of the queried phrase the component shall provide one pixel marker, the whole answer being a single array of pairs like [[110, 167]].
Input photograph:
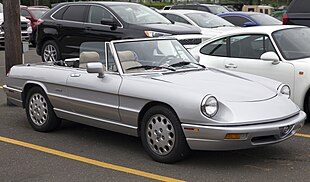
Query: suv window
[[250, 46], [176, 18], [96, 14], [217, 48], [59, 13], [74, 13], [237, 20]]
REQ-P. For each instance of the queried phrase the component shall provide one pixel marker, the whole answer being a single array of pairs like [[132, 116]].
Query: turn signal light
[[235, 136]]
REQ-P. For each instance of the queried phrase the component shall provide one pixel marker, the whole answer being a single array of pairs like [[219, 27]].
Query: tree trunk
[[12, 33]]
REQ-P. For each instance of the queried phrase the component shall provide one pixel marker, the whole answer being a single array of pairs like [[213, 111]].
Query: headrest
[[126, 56], [86, 57]]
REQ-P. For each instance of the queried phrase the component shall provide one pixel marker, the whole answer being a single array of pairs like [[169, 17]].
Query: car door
[[95, 31], [244, 56], [93, 97], [71, 30]]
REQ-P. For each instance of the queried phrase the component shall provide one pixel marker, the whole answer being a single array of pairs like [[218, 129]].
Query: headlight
[[209, 106], [155, 34], [284, 90]]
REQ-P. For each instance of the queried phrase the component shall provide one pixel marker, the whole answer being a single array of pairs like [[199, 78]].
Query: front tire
[[50, 51], [162, 136], [39, 110]]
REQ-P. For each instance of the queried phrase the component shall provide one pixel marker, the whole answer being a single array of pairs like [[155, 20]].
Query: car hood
[[223, 85], [23, 19], [174, 29]]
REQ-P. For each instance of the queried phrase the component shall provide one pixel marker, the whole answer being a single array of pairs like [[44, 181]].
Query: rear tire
[[39, 110], [162, 136], [50, 52]]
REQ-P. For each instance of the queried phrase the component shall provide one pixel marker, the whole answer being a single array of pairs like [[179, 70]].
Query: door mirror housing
[[270, 56], [110, 22], [29, 18], [96, 67], [249, 24]]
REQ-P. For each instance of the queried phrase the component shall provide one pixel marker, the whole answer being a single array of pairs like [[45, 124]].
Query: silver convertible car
[[154, 89]]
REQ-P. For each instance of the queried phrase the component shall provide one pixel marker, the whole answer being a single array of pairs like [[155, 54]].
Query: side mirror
[[110, 22], [270, 56], [96, 67], [249, 24]]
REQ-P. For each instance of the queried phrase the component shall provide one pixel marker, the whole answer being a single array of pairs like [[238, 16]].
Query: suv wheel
[[50, 51]]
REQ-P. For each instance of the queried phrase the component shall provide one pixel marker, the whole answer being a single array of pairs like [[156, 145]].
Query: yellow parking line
[[302, 135], [1, 87], [88, 161]]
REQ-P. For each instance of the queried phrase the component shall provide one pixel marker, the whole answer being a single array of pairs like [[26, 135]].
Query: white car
[[25, 28], [277, 52], [209, 24]]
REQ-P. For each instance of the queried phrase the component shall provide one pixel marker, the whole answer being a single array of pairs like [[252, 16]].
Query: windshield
[[264, 19], [293, 43], [139, 14], [217, 9], [153, 56], [38, 13], [208, 20], [1, 8]]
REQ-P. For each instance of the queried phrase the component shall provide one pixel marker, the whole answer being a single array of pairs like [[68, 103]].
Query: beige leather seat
[[129, 60], [87, 57]]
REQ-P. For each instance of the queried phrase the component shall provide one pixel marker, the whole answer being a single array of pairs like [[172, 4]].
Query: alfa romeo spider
[[154, 89]]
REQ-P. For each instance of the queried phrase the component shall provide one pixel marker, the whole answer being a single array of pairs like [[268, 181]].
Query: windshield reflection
[[154, 55]]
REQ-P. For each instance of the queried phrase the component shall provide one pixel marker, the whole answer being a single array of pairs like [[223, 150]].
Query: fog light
[[285, 130], [235, 136]]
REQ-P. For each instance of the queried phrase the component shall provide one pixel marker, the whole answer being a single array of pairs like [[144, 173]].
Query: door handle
[[75, 75], [230, 65]]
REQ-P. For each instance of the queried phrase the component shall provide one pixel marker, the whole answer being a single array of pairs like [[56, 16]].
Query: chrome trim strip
[[97, 119], [5, 87], [83, 100], [78, 4]]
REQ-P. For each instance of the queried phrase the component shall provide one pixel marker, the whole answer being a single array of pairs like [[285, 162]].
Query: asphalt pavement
[[78, 152]]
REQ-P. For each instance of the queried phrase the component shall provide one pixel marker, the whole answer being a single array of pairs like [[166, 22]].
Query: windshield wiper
[[183, 63], [147, 67]]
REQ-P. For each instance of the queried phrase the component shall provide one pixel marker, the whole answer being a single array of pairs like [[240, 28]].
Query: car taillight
[[285, 19]]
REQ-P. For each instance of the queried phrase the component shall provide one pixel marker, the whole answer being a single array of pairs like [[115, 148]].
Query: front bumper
[[25, 38], [201, 137]]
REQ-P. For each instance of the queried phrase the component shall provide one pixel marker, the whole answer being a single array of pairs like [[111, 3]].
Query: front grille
[[24, 26], [190, 41]]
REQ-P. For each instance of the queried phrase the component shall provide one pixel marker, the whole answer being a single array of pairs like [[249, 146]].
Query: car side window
[[237, 20], [24, 13], [111, 65], [74, 13], [216, 48], [249, 46], [176, 18], [96, 14]]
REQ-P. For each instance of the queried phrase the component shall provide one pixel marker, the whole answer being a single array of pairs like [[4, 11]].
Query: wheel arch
[[42, 42], [27, 87], [148, 106]]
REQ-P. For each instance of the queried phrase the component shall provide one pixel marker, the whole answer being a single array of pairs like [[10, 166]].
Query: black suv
[[210, 8], [68, 25], [298, 13]]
